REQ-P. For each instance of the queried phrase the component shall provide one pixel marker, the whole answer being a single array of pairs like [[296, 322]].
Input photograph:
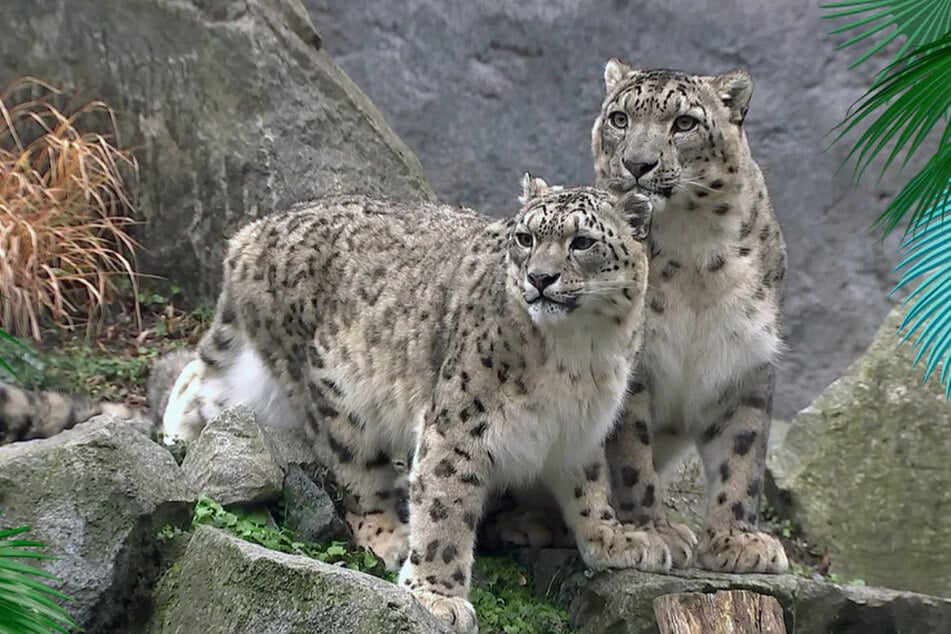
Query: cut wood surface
[[725, 612]]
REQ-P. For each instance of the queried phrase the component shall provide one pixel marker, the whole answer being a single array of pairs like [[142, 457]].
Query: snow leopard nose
[[541, 281], [638, 168]]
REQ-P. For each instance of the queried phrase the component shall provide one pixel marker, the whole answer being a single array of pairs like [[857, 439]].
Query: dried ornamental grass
[[64, 210]]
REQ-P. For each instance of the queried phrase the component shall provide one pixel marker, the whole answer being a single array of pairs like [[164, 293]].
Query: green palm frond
[[928, 259], [919, 22], [27, 604], [904, 108], [900, 110]]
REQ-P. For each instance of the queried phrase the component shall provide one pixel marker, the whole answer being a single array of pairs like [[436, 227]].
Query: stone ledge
[[621, 602]]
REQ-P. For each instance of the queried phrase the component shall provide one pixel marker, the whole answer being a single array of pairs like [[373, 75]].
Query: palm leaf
[[917, 22], [911, 100], [927, 260], [27, 604]]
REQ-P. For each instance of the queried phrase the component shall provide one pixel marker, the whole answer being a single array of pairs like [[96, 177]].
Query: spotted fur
[[717, 265], [27, 414], [485, 354]]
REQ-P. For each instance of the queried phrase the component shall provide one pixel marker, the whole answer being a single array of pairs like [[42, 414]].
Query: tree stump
[[725, 612]]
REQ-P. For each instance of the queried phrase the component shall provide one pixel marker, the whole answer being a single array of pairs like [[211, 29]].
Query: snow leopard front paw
[[679, 539], [383, 533], [457, 612], [743, 551], [610, 544]]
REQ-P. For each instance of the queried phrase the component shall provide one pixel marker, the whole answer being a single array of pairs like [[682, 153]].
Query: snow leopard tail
[[27, 414]]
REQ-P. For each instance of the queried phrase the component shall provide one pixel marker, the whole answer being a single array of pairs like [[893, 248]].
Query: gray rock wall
[[485, 90], [231, 107]]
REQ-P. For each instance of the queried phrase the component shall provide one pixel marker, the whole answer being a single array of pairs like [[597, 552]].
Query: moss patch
[[502, 594]]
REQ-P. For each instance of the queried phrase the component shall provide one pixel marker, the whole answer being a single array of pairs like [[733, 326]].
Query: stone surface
[[228, 586], [98, 495], [485, 90], [232, 107], [865, 471], [622, 602], [308, 509], [233, 461]]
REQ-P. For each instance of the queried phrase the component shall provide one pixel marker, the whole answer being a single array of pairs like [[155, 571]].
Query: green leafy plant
[[9, 339], [903, 106], [508, 604], [505, 605], [253, 526], [27, 604]]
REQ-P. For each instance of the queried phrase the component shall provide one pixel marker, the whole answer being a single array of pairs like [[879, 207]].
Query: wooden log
[[725, 612]]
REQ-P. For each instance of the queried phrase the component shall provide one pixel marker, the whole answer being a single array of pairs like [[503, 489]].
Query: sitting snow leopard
[[492, 353], [716, 272]]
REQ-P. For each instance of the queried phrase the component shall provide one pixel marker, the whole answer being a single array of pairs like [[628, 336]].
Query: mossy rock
[[866, 471], [223, 585], [98, 495]]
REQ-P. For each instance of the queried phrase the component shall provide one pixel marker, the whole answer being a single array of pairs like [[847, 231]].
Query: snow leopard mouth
[[546, 302], [625, 185]]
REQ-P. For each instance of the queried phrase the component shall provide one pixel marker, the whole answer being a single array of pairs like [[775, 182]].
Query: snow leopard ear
[[637, 210], [735, 90], [614, 72], [532, 187]]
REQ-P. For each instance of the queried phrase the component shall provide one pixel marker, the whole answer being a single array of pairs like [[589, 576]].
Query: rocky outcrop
[[483, 91], [865, 471], [309, 511], [103, 493], [232, 108], [233, 460], [222, 585], [98, 495], [623, 602]]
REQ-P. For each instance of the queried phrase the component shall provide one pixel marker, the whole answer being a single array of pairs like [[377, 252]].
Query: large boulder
[[98, 495], [483, 91], [223, 585], [622, 602], [233, 108], [865, 471]]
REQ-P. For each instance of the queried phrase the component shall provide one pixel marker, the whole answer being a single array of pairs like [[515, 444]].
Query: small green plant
[[8, 339], [83, 369], [509, 605], [254, 527], [26, 602], [782, 525], [506, 606]]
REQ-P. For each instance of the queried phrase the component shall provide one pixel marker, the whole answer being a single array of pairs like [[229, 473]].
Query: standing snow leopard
[[716, 272], [495, 353]]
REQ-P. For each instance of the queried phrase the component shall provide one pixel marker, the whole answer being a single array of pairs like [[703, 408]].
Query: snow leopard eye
[[582, 243], [524, 240], [684, 123], [618, 119]]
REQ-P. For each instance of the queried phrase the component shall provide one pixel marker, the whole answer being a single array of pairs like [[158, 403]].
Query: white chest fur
[[575, 401], [712, 330]]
